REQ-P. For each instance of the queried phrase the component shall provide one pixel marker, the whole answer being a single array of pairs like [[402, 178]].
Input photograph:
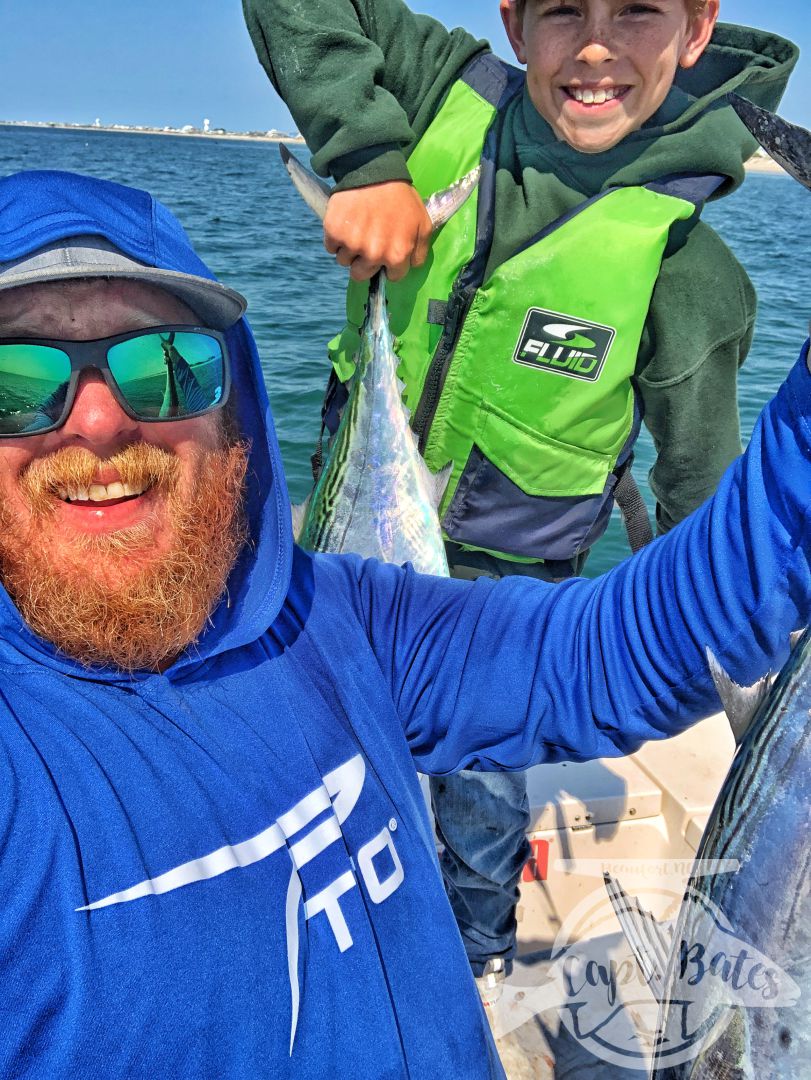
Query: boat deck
[[640, 818]]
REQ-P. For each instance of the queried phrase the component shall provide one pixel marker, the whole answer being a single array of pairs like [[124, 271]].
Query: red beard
[[113, 601]]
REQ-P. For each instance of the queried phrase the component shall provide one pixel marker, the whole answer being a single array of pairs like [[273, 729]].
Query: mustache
[[140, 465], [80, 604]]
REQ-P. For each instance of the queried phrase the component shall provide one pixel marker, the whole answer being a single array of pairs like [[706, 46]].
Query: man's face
[[599, 69], [97, 424], [108, 509]]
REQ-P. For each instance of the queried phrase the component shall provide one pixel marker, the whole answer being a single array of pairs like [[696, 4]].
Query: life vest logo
[[562, 345]]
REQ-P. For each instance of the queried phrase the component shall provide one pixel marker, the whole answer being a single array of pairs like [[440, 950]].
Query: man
[[215, 858]]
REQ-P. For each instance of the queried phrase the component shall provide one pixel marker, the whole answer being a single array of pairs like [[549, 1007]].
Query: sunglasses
[[163, 373]]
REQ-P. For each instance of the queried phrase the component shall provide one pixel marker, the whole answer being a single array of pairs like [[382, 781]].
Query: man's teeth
[[100, 492], [595, 97]]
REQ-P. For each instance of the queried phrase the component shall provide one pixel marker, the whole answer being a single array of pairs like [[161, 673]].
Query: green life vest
[[523, 381]]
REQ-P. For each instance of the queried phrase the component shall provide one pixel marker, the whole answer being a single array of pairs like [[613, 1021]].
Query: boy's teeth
[[594, 97], [100, 492]]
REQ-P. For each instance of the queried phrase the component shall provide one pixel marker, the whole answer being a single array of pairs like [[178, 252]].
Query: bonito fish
[[735, 991], [733, 976], [375, 496]]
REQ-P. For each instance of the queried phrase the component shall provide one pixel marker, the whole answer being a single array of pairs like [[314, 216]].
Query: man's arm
[[698, 334], [513, 673]]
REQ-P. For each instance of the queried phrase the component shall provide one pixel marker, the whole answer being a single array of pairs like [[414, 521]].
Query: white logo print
[[339, 791], [563, 330]]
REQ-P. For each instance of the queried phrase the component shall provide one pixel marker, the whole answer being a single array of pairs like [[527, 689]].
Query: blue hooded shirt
[[227, 869]]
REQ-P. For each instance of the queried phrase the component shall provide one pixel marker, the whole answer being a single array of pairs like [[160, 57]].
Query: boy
[[562, 304]]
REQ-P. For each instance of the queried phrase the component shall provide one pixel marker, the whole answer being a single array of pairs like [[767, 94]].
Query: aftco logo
[[563, 345]]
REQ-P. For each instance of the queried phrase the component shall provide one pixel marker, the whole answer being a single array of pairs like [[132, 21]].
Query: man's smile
[[76, 493], [105, 508], [102, 493]]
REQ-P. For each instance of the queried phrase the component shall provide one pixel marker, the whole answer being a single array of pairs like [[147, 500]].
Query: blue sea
[[248, 224]]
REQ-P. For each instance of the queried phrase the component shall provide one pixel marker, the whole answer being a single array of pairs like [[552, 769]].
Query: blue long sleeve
[[514, 673]]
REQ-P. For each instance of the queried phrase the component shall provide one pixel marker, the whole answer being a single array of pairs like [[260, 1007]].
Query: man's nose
[[96, 417]]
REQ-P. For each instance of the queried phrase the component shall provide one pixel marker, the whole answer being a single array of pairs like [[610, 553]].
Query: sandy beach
[[760, 164]]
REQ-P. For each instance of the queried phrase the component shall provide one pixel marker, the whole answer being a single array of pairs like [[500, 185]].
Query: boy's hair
[[694, 7]]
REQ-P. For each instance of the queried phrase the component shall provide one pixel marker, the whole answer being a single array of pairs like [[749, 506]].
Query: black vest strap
[[693, 188], [633, 510], [492, 78], [437, 312], [497, 82]]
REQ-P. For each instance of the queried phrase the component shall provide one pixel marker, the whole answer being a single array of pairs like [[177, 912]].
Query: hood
[[39, 208], [694, 125]]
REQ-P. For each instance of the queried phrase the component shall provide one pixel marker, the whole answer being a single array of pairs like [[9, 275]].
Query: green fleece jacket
[[363, 80]]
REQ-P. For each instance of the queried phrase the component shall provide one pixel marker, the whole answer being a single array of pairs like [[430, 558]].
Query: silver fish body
[[375, 496], [744, 937]]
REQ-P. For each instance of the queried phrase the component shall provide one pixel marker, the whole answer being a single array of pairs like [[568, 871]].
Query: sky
[[175, 62]]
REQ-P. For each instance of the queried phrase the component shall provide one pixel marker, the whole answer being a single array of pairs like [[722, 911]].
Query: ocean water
[[247, 223]]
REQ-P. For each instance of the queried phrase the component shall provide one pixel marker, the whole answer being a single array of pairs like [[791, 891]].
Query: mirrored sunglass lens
[[173, 373], [34, 383]]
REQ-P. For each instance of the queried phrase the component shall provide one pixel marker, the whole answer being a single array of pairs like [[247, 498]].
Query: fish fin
[[298, 512], [439, 482], [740, 702], [649, 941], [440, 207], [311, 187], [443, 204], [794, 639], [788, 144]]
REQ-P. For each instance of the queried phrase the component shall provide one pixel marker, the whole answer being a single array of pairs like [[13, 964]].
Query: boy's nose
[[96, 417], [597, 42], [595, 51]]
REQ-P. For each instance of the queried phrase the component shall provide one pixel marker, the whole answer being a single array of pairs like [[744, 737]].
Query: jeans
[[482, 818], [481, 821]]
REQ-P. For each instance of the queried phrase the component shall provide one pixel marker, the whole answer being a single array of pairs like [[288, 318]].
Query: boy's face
[[598, 69]]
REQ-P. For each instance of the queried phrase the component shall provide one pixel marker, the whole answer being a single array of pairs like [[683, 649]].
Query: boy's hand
[[383, 226]]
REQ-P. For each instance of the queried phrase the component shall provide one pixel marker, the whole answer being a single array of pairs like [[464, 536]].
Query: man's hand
[[383, 226]]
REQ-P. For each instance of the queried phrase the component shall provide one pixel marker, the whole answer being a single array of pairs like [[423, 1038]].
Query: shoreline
[[759, 164], [239, 136], [756, 164]]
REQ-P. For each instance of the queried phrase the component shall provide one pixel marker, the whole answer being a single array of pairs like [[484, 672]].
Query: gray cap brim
[[216, 306]]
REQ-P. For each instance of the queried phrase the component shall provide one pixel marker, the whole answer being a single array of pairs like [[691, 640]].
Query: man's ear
[[699, 34], [515, 28]]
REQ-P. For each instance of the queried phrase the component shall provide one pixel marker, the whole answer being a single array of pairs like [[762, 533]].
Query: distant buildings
[[186, 129]]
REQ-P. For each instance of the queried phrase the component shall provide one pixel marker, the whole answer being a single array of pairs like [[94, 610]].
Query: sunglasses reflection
[[163, 375], [183, 394]]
